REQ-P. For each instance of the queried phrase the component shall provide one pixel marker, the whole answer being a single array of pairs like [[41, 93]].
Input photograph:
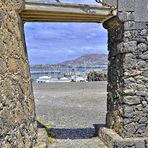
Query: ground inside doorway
[[73, 109]]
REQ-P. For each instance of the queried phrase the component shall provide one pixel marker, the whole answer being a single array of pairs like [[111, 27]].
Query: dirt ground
[[73, 108]]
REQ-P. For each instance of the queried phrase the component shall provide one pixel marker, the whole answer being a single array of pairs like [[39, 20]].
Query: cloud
[[56, 42], [72, 1]]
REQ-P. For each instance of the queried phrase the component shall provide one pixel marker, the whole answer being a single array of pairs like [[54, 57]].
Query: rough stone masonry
[[127, 102], [17, 123]]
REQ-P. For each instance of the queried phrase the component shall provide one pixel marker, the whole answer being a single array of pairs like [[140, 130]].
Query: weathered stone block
[[144, 56], [143, 120], [130, 129], [140, 25], [129, 92], [126, 16], [129, 25], [131, 100], [3, 66], [145, 73], [141, 10], [130, 46], [1, 18], [142, 64], [12, 65], [128, 111], [126, 5], [139, 144], [142, 47], [110, 2], [113, 140]]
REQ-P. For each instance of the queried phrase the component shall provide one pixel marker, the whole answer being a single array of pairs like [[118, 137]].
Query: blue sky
[[49, 43], [72, 1]]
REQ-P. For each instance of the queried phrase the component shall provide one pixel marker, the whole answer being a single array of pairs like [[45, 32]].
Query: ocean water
[[64, 69]]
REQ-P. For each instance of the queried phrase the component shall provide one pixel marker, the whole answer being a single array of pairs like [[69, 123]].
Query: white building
[[43, 79], [78, 79]]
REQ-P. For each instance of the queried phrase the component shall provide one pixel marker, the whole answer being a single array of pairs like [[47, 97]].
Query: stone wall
[[17, 115], [127, 102]]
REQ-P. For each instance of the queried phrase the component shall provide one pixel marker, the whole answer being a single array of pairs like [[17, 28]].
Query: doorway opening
[[68, 65]]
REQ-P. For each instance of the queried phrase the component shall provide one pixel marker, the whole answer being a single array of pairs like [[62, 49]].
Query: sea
[[64, 69]]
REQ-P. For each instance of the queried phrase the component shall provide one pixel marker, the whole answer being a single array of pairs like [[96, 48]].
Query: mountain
[[87, 60], [82, 61]]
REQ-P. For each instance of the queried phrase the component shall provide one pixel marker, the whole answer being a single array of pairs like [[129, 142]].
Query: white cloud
[[63, 40], [73, 1]]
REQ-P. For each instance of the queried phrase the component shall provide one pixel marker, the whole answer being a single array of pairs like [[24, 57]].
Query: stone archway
[[127, 102]]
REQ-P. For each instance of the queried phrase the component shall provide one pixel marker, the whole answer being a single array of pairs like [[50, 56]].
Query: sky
[[72, 1], [51, 43]]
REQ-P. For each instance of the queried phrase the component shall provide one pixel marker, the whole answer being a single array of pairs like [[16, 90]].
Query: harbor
[[63, 74]]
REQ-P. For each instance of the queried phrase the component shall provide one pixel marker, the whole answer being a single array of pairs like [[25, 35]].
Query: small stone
[[2, 51], [142, 47], [145, 110], [139, 107], [129, 80], [126, 121], [141, 129], [139, 143], [146, 132], [12, 65], [144, 103], [8, 146], [145, 73], [130, 128], [142, 93], [128, 111], [144, 56], [42, 145], [3, 66], [130, 46], [1, 106], [129, 92], [143, 120], [127, 34], [131, 100], [1, 19], [144, 32], [129, 25], [142, 64]]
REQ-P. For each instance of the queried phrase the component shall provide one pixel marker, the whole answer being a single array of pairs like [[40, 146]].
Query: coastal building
[[43, 79]]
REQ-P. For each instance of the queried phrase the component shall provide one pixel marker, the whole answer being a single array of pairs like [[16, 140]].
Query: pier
[[66, 73]]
